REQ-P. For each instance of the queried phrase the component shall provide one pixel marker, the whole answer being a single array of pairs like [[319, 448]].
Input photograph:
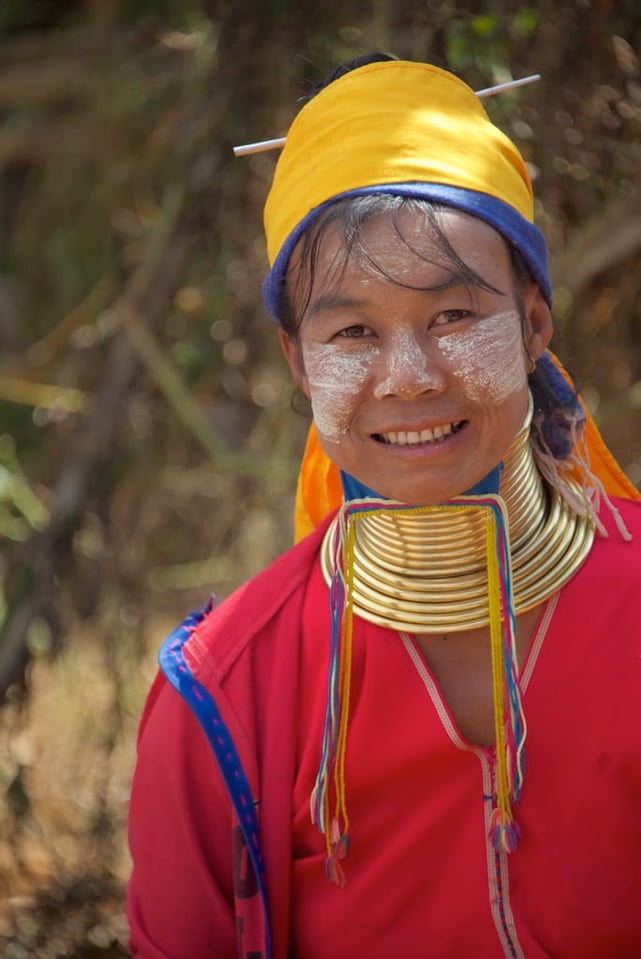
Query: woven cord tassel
[[334, 823], [328, 799], [509, 723], [339, 833]]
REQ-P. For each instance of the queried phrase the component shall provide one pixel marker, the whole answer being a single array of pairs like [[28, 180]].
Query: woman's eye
[[450, 316], [354, 332]]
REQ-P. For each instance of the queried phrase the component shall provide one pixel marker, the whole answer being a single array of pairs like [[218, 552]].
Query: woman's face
[[417, 379]]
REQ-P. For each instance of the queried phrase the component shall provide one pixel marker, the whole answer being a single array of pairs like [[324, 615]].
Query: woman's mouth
[[416, 437]]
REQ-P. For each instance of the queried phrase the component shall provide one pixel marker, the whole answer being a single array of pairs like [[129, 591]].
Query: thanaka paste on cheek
[[488, 357], [335, 376]]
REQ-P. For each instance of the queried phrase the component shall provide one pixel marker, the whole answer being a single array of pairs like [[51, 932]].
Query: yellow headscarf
[[391, 123], [404, 128], [412, 129]]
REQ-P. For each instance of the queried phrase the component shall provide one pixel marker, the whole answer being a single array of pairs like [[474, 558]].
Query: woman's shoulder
[[622, 521], [268, 603], [614, 562]]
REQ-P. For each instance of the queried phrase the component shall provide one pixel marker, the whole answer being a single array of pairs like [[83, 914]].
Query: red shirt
[[422, 879]]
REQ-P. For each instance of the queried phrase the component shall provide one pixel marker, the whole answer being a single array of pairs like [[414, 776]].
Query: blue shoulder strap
[[201, 702]]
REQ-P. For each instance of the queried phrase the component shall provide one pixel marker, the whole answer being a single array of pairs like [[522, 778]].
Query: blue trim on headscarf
[[354, 489], [489, 485], [558, 413], [523, 235]]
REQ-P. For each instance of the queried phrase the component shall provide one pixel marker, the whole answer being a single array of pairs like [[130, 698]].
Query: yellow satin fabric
[[386, 123], [319, 489]]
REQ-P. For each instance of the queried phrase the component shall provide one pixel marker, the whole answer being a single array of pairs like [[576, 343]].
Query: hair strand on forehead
[[350, 215]]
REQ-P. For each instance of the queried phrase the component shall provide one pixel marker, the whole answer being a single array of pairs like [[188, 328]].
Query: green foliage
[[29, 15], [16, 796], [278, 8], [24, 14], [486, 41], [20, 509], [148, 451], [525, 21]]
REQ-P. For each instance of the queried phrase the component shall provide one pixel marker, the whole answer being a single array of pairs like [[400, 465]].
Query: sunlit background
[[148, 439]]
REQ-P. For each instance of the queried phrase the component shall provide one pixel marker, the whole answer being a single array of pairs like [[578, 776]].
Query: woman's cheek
[[336, 378], [488, 358]]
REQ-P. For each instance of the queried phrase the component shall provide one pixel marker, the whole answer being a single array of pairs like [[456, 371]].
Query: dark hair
[[366, 58], [558, 414], [377, 56], [351, 214]]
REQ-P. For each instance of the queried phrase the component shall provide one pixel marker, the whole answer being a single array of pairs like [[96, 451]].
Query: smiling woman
[[332, 761], [413, 344]]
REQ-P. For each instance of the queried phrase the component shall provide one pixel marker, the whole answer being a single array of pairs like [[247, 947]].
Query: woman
[[332, 761]]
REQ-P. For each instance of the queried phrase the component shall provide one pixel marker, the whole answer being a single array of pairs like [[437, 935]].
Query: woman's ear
[[538, 325], [294, 356]]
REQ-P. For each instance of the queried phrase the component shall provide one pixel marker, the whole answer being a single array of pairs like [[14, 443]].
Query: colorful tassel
[[328, 799], [509, 719], [331, 775]]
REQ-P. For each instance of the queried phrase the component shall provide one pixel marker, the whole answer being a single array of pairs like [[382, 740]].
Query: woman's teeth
[[410, 437]]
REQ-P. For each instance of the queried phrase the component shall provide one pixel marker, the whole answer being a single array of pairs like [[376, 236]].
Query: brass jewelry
[[426, 572]]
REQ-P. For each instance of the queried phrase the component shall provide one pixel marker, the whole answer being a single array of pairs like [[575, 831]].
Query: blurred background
[[149, 440]]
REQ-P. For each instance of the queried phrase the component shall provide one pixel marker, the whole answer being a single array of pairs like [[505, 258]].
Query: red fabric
[[419, 879], [181, 896]]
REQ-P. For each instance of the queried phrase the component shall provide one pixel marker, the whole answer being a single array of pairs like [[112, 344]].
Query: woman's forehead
[[406, 243]]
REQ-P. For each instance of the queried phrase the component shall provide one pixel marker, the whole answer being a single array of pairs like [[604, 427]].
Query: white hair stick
[[262, 146], [509, 85]]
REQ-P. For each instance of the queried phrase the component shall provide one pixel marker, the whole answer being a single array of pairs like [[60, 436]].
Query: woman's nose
[[408, 369]]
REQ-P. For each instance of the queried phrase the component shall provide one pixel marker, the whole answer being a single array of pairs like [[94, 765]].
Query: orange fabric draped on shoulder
[[319, 489]]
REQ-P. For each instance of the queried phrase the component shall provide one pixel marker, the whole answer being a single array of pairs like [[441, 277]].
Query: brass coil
[[425, 571]]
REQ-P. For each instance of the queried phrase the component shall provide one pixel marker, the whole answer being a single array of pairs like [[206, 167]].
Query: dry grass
[[65, 769]]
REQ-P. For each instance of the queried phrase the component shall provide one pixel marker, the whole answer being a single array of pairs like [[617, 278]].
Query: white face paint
[[379, 358], [408, 370], [335, 377], [484, 357]]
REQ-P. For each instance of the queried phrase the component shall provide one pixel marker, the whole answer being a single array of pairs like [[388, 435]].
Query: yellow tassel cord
[[509, 723], [334, 825], [503, 830], [338, 840], [496, 645]]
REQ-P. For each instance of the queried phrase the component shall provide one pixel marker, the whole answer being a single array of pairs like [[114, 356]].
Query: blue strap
[[354, 489], [203, 705]]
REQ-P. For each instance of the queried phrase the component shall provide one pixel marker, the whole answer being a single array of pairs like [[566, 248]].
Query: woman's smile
[[415, 437], [417, 376]]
